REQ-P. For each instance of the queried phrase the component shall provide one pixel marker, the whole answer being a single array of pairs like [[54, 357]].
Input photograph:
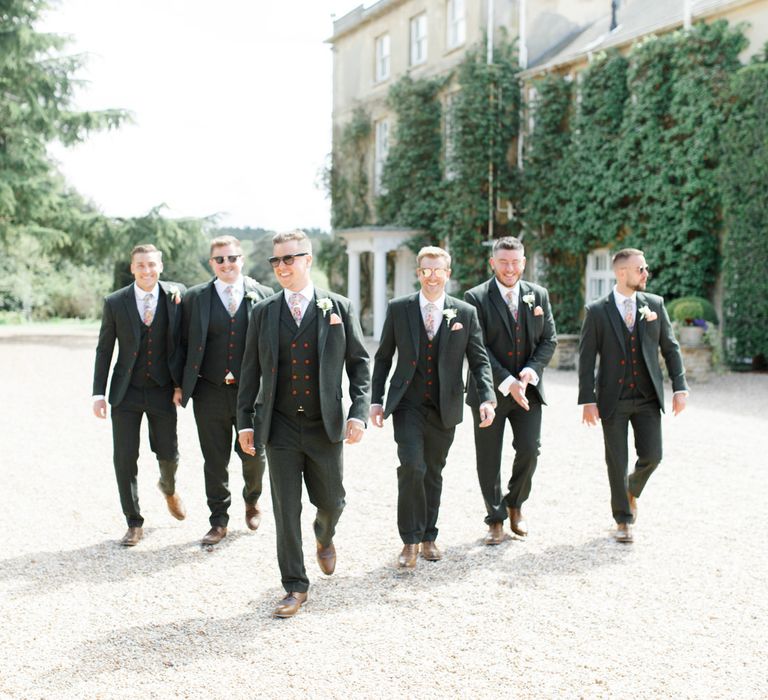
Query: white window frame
[[599, 278], [381, 71], [418, 43], [456, 23], [380, 153]]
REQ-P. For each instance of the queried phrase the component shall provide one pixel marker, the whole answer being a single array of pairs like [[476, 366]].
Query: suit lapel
[[414, 319], [526, 311], [501, 305], [129, 301], [614, 318], [205, 308], [273, 326], [323, 322], [446, 326]]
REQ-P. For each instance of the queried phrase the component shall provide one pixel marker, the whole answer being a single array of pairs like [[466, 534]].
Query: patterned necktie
[[511, 304], [294, 301], [629, 314], [429, 320], [148, 313], [231, 303]]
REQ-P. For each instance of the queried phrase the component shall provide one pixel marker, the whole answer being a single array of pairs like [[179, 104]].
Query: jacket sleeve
[[588, 347], [358, 368], [670, 351], [250, 373], [477, 359], [546, 345], [104, 350], [383, 358]]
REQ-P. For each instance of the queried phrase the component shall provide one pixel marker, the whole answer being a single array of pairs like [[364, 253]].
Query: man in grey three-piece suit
[[144, 319], [290, 399], [627, 329], [215, 322], [432, 333]]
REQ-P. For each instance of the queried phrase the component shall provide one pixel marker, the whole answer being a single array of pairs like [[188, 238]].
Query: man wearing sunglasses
[[215, 322], [432, 333], [520, 337], [627, 329], [299, 343], [144, 319]]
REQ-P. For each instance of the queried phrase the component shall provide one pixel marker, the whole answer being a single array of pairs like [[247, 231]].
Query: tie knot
[[230, 289], [147, 297], [510, 297], [295, 299], [430, 307]]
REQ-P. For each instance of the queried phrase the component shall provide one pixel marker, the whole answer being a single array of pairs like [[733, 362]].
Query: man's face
[[293, 276], [433, 276], [508, 266], [146, 269], [633, 272], [231, 265]]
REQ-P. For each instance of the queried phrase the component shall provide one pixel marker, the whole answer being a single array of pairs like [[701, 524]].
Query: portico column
[[353, 280], [379, 289]]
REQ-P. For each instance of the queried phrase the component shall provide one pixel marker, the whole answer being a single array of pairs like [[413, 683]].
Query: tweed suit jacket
[[339, 345], [602, 334]]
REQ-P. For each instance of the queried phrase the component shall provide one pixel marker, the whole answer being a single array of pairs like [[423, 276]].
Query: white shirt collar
[[506, 290], [140, 293], [619, 298], [308, 292], [423, 301], [238, 285]]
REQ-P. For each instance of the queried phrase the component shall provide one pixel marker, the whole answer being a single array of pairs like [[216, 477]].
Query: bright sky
[[231, 102]]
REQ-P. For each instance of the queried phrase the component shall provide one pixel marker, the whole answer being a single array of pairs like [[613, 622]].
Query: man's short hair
[[432, 251], [624, 254], [305, 244], [145, 248], [221, 241], [507, 243]]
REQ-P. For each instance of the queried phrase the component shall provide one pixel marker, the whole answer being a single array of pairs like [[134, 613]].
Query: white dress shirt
[[238, 291], [506, 385], [307, 294], [140, 294]]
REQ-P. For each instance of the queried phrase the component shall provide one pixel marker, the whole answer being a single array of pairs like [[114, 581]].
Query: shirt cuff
[[684, 392], [533, 373], [98, 397], [245, 430], [357, 420], [506, 385], [492, 404]]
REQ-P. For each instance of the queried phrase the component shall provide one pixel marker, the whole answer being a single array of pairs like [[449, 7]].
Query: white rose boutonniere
[[174, 293], [253, 296], [449, 314], [325, 305], [647, 314], [529, 299]]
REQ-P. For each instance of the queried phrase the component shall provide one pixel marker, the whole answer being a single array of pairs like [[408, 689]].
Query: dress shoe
[[632, 506], [215, 535], [623, 533], [176, 506], [132, 536], [495, 534], [430, 552], [326, 558], [407, 558], [517, 522], [252, 516], [290, 605]]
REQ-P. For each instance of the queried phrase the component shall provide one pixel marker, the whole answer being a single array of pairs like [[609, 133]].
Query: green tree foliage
[[412, 176], [484, 123], [347, 179], [744, 181]]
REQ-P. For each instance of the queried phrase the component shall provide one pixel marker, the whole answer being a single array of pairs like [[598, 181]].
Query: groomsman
[[627, 329], [215, 322], [432, 333], [520, 338], [144, 319], [297, 346]]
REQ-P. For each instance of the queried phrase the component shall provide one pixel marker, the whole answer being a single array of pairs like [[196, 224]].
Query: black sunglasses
[[287, 259], [219, 259]]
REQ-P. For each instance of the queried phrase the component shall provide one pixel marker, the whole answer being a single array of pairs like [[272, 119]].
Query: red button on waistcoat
[[306, 392], [306, 376], [294, 362], [294, 376], [293, 345], [294, 392], [307, 362], [631, 386], [621, 362], [306, 345]]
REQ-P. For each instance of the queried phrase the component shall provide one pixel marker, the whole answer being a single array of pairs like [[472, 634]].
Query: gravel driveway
[[681, 613]]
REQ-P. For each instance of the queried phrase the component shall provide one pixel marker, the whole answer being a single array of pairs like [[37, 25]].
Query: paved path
[[566, 614]]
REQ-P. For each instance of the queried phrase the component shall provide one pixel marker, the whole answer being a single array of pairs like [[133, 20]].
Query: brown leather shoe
[[495, 534], [517, 522], [623, 533], [632, 506], [252, 516], [326, 558], [407, 558], [215, 535], [430, 552], [290, 605], [176, 506], [132, 536]]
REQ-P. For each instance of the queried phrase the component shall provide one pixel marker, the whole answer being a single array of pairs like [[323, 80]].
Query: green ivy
[[347, 178], [744, 182]]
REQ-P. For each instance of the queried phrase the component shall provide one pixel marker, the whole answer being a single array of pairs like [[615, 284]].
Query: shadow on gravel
[[106, 561]]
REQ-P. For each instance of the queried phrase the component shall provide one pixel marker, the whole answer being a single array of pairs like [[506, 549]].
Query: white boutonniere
[[325, 305], [449, 314], [174, 293], [253, 296], [647, 314], [529, 299]]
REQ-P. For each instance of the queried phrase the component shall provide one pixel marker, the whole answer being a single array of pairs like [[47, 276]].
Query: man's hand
[[100, 408], [245, 438], [377, 416], [679, 401], [487, 414], [354, 432], [177, 397], [589, 414], [517, 392]]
